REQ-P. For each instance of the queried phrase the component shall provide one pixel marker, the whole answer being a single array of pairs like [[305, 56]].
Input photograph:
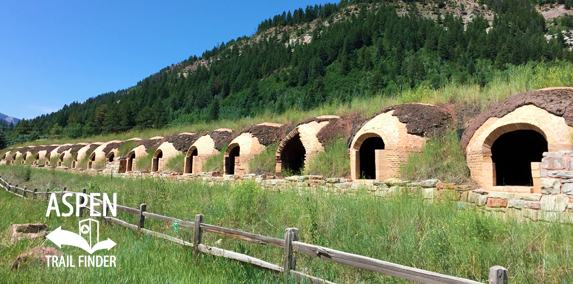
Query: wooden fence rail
[[291, 245]]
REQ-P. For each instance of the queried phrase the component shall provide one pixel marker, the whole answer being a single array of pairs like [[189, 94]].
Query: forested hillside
[[322, 54]]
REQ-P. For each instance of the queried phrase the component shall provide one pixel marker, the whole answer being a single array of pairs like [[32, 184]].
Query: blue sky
[[55, 52]]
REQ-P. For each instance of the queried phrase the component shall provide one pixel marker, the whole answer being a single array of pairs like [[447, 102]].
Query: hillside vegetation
[[321, 59]]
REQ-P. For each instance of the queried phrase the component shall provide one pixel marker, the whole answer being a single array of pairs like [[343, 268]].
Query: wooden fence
[[290, 243]]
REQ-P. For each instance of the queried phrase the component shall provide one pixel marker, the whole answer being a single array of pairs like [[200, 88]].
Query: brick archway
[[291, 154], [489, 172], [155, 163], [371, 165], [130, 160], [189, 160], [75, 161], [231, 158], [110, 157], [61, 159], [91, 160]]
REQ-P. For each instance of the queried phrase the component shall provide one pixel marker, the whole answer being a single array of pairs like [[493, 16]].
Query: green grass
[[54, 160], [99, 165], [140, 259], [332, 162], [68, 162], [440, 158], [30, 159], [177, 163], [144, 163], [264, 162], [125, 148], [215, 162], [503, 84], [83, 163], [19, 159], [401, 229]]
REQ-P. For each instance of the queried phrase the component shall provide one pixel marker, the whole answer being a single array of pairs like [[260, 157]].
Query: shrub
[[23, 173]]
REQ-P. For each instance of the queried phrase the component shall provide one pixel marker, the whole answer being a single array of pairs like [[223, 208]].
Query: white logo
[[88, 228]]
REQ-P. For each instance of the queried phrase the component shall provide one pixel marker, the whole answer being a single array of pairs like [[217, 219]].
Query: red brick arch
[[494, 135]]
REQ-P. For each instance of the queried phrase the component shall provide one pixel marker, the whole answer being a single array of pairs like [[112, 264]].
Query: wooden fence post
[[63, 192], [197, 234], [142, 209], [35, 193], [15, 189], [291, 234], [24, 192], [497, 275], [82, 210], [47, 194]]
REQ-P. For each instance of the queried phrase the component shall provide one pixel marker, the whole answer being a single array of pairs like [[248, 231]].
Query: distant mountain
[[9, 119]]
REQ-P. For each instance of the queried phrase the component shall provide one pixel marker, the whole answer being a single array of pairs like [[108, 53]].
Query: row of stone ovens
[[504, 145]]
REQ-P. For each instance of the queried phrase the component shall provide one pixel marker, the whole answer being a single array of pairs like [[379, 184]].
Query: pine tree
[[3, 143], [159, 114], [214, 110]]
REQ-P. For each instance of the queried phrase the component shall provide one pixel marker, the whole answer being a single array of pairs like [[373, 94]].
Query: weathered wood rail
[[291, 245]]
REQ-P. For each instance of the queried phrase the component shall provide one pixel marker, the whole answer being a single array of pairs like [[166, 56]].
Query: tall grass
[[125, 148], [143, 163], [30, 158], [68, 162], [83, 163], [401, 229], [99, 165], [177, 163], [54, 160], [441, 158], [332, 162], [215, 163], [264, 162]]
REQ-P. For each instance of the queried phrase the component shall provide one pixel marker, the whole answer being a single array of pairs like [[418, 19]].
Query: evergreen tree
[[3, 143], [214, 110], [160, 118]]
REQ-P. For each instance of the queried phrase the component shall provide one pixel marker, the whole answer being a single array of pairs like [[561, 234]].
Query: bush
[[23, 173], [441, 158]]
